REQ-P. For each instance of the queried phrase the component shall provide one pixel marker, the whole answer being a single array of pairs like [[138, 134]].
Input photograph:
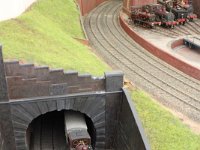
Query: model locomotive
[[76, 132], [167, 13], [165, 17], [183, 11], [144, 17]]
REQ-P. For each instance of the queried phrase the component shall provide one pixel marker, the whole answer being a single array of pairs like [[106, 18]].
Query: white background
[[13, 8]]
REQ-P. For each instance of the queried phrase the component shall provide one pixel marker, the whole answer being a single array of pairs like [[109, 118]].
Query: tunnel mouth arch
[[52, 124]]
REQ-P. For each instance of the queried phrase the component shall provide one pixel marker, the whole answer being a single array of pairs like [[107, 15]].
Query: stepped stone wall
[[126, 140], [25, 81]]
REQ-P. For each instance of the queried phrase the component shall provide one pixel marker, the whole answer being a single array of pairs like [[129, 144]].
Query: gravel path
[[172, 87]]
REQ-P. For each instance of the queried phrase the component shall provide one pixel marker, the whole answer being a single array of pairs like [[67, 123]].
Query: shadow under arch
[[48, 130], [24, 112]]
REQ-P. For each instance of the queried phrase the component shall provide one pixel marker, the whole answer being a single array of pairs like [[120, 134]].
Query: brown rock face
[[128, 3], [196, 4], [142, 2]]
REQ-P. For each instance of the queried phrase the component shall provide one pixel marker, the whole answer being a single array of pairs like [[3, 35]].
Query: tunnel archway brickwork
[[93, 106], [27, 92]]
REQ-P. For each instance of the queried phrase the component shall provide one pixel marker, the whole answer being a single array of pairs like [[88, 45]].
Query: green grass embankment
[[165, 132], [45, 34]]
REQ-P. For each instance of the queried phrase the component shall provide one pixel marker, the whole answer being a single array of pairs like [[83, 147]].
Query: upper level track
[[171, 86]]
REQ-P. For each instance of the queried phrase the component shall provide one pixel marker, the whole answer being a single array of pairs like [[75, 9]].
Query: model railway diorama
[[166, 13], [48, 109]]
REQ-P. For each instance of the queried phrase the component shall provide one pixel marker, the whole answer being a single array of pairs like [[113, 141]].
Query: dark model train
[[183, 11], [165, 17], [144, 17], [192, 42], [167, 13], [76, 132]]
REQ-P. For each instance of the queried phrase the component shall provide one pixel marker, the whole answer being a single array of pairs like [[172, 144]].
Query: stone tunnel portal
[[47, 131]]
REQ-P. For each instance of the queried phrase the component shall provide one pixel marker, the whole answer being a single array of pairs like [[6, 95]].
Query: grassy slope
[[44, 35], [165, 131]]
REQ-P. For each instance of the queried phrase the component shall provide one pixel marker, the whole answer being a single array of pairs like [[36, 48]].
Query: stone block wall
[[45, 90], [1, 141], [130, 134], [7, 141], [26, 81], [3, 84]]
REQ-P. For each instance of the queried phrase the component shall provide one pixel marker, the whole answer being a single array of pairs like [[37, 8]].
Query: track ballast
[[172, 87]]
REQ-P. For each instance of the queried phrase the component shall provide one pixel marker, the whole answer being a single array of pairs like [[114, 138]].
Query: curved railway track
[[172, 87], [190, 28]]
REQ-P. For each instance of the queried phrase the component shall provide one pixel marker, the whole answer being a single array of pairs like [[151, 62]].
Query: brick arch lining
[[24, 113]]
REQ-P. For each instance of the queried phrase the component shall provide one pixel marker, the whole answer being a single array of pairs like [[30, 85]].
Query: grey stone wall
[[1, 141], [24, 112], [130, 134], [6, 128], [25, 81], [34, 91], [114, 82], [3, 85]]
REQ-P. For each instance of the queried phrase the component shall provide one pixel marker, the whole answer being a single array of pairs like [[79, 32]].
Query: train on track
[[183, 11], [76, 132], [166, 13], [144, 17], [192, 42]]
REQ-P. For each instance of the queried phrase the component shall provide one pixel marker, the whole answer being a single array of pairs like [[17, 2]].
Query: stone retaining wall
[[29, 81], [130, 134], [87, 5], [1, 141], [196, 5]]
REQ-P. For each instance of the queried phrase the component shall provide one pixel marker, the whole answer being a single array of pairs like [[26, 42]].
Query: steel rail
[[173, 87]]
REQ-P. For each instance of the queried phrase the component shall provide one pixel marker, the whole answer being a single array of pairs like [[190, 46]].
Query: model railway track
[[192, 27], [161, 31], [182, 30], [174, 32], [48, 134], [172, 86], [179, 31], [164, 32], [158, 30], [197, 23]]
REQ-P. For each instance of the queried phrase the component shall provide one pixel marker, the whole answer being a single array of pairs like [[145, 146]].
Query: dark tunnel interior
[[48, 132]]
